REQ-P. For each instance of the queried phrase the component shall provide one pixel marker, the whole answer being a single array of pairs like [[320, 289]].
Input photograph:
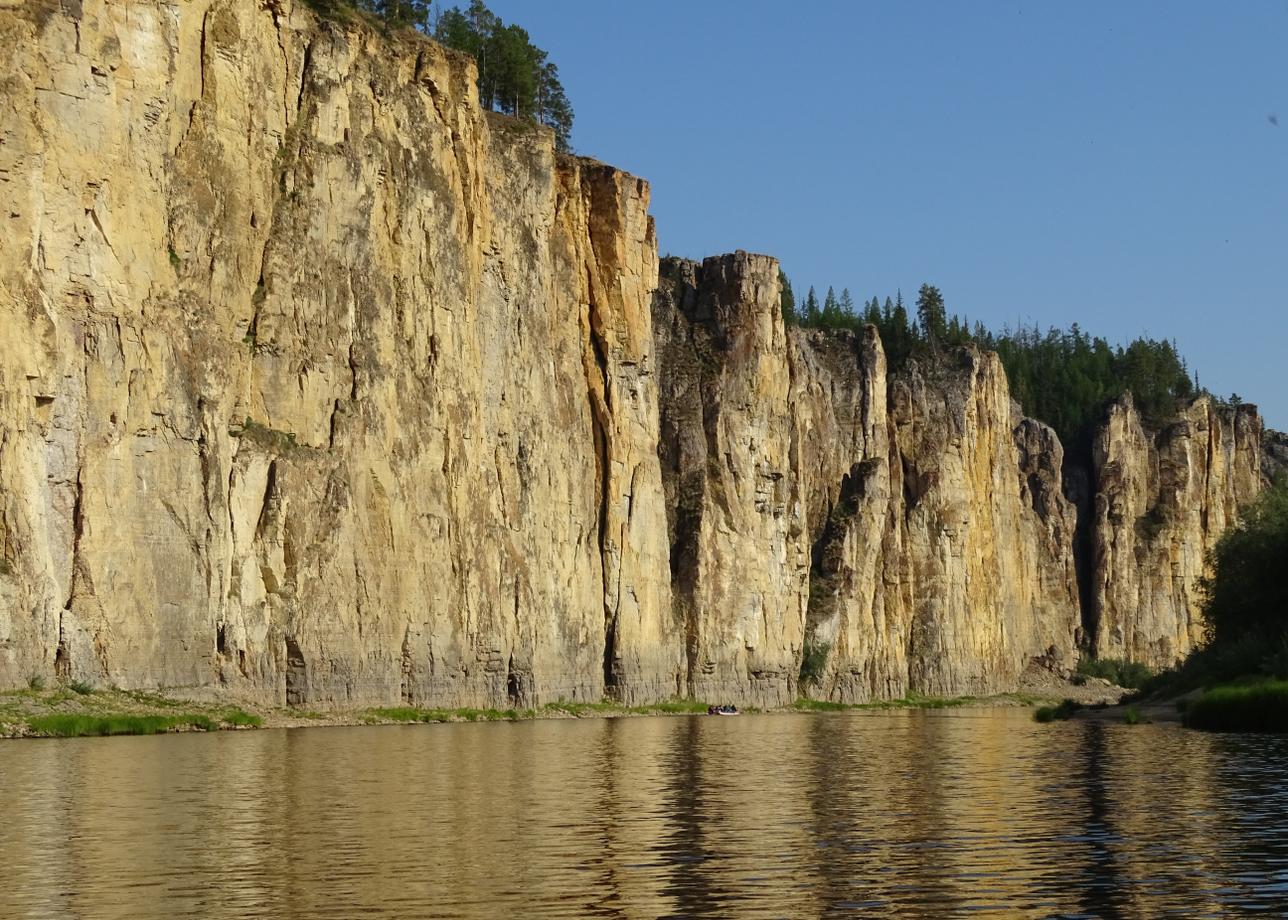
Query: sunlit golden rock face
[[913, 542], [1162, 501], [321, 385]]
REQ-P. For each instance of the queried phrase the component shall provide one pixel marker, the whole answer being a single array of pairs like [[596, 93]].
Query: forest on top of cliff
[[515, 77], [1064, 377]]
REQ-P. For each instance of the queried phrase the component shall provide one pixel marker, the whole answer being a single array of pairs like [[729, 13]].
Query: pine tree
[[848, 316], [787, 299], [812, 311], [932, 315], [515, 77]]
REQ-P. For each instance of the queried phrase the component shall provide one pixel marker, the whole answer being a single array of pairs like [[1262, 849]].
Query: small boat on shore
[[727, 710]]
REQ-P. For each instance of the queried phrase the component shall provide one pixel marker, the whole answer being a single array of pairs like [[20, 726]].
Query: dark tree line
[[1246, 594], [515, 76], [1066, 378]]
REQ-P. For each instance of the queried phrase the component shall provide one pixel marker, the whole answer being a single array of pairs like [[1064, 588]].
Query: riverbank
[[76, 710]]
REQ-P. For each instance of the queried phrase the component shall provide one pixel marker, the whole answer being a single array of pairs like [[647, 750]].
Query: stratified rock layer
[[319, 385]]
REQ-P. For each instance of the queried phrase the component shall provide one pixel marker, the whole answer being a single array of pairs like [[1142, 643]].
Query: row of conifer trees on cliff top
[[1065, 378], [515, 76]]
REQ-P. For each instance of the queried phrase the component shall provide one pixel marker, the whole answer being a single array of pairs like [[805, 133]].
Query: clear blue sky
[[1108, 163]]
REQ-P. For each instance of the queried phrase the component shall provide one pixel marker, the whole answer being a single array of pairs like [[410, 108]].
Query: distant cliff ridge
[[322, 386]]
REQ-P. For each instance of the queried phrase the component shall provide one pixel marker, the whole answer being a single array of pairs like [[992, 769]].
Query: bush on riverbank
[[1059, 713], [1252, 707], [911, 701], [76, 725], [1121, 673], [1246, 617]]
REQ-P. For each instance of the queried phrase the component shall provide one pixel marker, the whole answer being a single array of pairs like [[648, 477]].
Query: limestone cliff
[[926, 547], [320, 385], [1162, 501]]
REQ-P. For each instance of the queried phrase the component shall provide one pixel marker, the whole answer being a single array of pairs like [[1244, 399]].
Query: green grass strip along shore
[[1252, 707], [80, 725]]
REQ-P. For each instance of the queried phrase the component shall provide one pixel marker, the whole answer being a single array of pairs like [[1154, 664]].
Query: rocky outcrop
[[1163, 498], [320, 385], [926, 547], [740, 564], [974, 578]]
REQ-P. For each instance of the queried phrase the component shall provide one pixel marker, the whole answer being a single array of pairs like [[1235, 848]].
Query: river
[[903, 813]]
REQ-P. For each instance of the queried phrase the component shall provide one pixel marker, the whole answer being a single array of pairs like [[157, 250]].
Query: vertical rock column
[[738, 554], [1163, 499]]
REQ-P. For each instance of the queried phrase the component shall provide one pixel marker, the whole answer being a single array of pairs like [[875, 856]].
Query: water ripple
[[909, 814]]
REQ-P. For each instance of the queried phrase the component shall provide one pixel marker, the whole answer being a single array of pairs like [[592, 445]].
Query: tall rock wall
[[924, 547], [320, 385], [1162, 501], [740, 563]]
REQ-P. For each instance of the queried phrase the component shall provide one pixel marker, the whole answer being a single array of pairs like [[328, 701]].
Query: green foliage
[[1253, 707], [911, 701], [932, 315], [1066, 378], [282, 442], [814, 663], [1132, 716], [239, 718], [1129, 674], [81, 687], [36, 682], [1246, 594], [787, 299], [73, 725], [175, 262], [515, 76], [808, 705], [1059, 713]]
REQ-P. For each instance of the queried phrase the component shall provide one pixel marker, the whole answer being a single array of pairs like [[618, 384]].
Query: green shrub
[[1129, 674], [1254, 707], [35, 682], [76, 725], [678, 707], [821, 706], [84, 688], [814, 663], [1247, 594], [1057, 713], [1132, 716], [242, 719]]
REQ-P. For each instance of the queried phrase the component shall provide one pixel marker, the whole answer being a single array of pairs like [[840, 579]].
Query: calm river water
[[908, 814]]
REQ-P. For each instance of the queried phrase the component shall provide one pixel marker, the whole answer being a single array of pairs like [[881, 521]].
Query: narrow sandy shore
[[77, 710]]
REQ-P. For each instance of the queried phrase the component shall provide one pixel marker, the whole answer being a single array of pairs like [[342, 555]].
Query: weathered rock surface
[[926, 548], [1274, 455], [320, 385], [740, 561], [1162, 501]]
